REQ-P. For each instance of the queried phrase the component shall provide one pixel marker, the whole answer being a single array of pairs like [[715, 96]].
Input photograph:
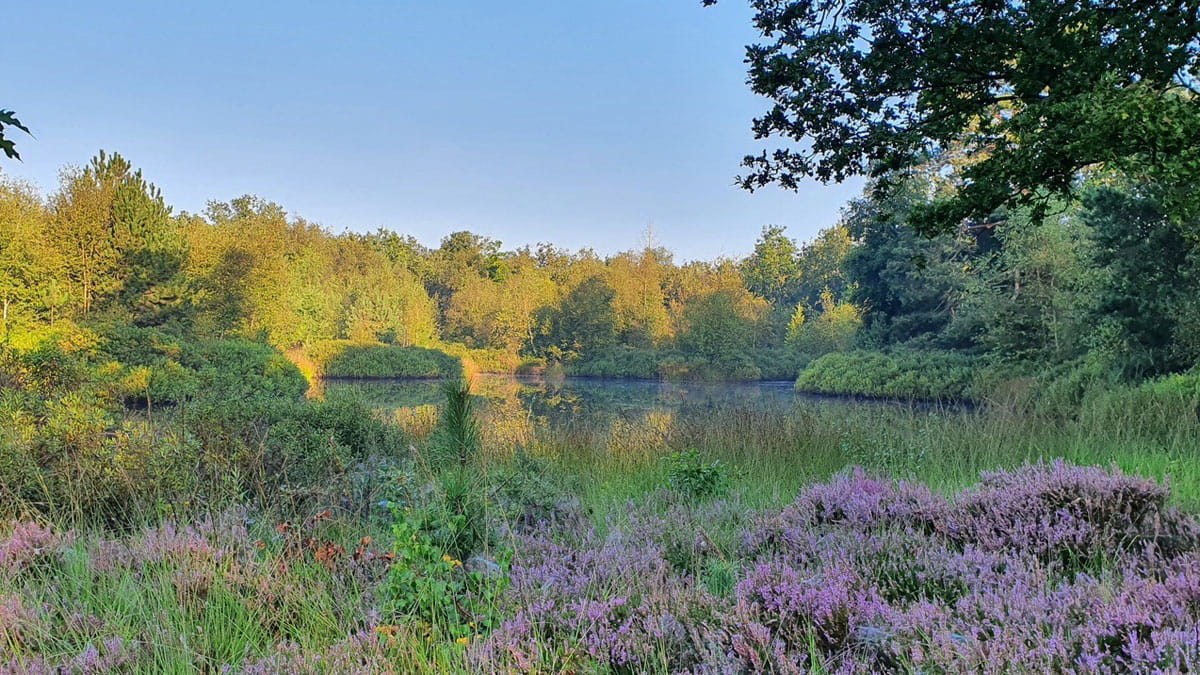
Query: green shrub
[[779, 363], [157, 368], [342, 358], [243, 369], [238, 428], [46, 369], [474, 360], [1161, 406], [1185, 386], [433, 588], [901, 374], [626, 362], [688, 473], [531, 366]]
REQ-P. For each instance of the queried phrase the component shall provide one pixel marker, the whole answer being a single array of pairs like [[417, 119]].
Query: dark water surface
[[575, 400], [514, 411]]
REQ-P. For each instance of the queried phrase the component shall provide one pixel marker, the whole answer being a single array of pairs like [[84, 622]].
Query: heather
[[1048, 567]]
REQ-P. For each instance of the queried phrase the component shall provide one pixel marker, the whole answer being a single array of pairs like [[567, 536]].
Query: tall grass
[[944, 448]]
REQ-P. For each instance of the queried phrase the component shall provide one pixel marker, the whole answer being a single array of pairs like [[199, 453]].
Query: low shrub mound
[[343, 358], [901, 374], [626, 362], [1073, 512]]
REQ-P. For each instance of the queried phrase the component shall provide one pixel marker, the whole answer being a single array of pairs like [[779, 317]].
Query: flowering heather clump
[[606, 602], [210, 540], [1062, 509], [26, 543], [863, 575], [113, 656], [18, 618], [850, 502], [795, 608]]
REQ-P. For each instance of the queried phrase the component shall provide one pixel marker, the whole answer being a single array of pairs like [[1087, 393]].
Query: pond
[[513, 408], [572, 399]]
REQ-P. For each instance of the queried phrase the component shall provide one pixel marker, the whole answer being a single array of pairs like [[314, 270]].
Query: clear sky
[[571, 121]]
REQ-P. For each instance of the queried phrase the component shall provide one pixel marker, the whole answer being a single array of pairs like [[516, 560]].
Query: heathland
[[982, 458], [190, 483]]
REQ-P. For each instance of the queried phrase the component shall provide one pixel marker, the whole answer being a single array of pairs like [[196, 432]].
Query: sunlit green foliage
[[835, 328], [1027, 294], [343, 358], [905, 374]]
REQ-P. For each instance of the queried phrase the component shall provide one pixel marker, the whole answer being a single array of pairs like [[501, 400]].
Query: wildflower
[[387, 630], [463, 640], [454, 562]]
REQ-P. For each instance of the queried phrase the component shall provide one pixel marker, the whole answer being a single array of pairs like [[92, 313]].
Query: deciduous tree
[[1031, 91]]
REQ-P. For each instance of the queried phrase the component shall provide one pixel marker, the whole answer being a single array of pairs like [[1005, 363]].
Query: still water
[[572, 398], [512, 409]]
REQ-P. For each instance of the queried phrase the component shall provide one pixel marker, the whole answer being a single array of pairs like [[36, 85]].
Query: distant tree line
[[1110, 278]]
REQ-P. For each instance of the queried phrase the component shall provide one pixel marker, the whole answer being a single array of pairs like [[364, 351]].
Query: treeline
[[106, 249], [1063, 298]]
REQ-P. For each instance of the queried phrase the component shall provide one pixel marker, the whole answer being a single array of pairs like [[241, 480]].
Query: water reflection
[[513, 409]]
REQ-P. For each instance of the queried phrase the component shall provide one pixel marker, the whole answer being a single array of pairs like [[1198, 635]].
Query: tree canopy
[[1028, 92]]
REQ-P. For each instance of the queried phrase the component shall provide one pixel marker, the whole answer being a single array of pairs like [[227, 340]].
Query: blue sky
[[566, 121]]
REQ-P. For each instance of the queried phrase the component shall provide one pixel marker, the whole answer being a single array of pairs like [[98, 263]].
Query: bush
[[479, 360], [901, 374], [47, 369], [155, 368], [287, 451], [688, 473], [779, 363], [620, 362], [243, 369], [342, 358], [1159, 406], [1073, 513], [653, 364], [238, 427], [433, 588]]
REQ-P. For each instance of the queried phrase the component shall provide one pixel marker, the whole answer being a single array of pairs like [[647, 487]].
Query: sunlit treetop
[[1029, 92]]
